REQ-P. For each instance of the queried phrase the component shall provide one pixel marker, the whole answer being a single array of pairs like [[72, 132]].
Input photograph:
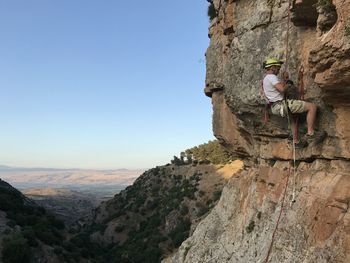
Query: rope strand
[[287, 37], [294, 158], [278, 219]]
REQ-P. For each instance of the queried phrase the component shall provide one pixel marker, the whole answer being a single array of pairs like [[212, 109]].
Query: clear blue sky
[[102, 84]]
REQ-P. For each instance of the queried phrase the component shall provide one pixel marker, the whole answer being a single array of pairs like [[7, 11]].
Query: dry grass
[[229, 170]]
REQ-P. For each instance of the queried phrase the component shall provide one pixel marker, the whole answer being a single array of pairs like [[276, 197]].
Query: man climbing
[[274, 91]]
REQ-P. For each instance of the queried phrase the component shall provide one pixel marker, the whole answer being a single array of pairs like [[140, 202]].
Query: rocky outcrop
[[251, 215], [244, 34]]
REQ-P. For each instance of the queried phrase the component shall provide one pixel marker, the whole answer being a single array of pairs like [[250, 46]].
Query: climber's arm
[[280, 87]]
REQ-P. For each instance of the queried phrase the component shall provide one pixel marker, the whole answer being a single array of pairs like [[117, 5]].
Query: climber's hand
[[289, 82]]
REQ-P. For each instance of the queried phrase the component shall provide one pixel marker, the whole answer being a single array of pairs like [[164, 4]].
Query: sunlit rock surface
[[316, 227]]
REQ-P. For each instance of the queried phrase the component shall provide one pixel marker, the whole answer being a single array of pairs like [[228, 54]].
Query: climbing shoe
[[300, 144], [316, 137]]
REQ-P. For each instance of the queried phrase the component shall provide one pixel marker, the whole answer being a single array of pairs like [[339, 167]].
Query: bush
[[202, 209], [58, 250], [180, 233], [177, 161], [34, 221], [10, 199], [179, 237], [325, 3], [29, 234], [11, 223], [119, 228], [347, 31], [47, 237], [56, 223], [250, 227], [216, 195], [184, 210], [16, 250], [211, 11], [211, 152]]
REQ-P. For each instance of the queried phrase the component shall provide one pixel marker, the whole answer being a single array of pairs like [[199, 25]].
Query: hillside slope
[[27, 232], [151, 218]]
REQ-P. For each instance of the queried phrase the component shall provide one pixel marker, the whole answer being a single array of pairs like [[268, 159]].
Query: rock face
[[316, 227], [243, 35]]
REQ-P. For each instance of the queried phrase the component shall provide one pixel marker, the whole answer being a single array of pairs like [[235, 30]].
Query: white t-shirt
[[270, 91]]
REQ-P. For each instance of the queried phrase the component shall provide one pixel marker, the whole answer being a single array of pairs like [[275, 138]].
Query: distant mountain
[[10, 168], [49, 177], [4, 167]]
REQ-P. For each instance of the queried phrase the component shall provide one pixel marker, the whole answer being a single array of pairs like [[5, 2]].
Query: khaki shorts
[[295, 106]]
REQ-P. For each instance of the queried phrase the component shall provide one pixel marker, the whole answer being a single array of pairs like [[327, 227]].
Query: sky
[[102, 84]]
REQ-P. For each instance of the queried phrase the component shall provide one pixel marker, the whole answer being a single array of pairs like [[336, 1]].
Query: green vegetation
[[180, 233], [212, 11], [250, 227], [177, 161], [347, 31], [34, 222], [16, 249], [326, 5], [212, 152], [201, 209], [258, 215], [186, 251], [119, 228], [142, 211], [151, 217], [216, 195], [184, 210]]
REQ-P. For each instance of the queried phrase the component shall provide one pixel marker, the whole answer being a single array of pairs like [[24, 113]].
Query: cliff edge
[[275, 211]]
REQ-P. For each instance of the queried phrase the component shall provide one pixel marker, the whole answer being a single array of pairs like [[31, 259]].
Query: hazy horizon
[[4, 167], [68, 178]]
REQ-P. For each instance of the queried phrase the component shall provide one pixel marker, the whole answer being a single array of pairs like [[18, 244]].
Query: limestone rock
[[314, 228], [258, 202], [245, 33]]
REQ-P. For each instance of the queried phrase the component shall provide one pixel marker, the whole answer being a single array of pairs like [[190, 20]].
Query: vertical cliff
[[316, 226], [243, 35]]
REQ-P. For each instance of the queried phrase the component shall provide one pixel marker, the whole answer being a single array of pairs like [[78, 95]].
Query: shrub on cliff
[[180, 233], [177, 161], [347, 31], [325, 4], [212, 151], [211, 11]]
